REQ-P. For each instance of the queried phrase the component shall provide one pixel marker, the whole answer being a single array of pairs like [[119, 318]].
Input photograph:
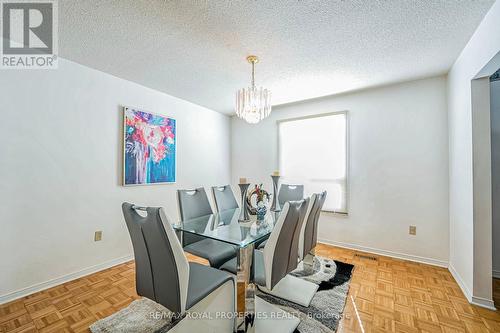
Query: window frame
[[347, 150]]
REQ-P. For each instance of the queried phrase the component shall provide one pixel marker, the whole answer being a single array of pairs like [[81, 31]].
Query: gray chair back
[[224, 198], [290, 193], [307, 233], [314, 239], [162, 270], [293, 258], [279, 247], [193, 203]]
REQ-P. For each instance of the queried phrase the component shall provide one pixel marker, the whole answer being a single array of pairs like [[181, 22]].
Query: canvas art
[[150, 148]]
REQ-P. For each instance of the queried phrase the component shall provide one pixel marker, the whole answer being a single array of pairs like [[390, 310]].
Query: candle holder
[[275, 206], [243, 209]]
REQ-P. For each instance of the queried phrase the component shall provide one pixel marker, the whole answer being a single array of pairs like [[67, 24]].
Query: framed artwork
[[149, 148]]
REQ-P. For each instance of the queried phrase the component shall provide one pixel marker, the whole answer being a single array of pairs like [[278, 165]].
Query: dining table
[[227, 227]]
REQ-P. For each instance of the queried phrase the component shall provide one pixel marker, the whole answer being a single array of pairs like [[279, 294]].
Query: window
[[313, 152]]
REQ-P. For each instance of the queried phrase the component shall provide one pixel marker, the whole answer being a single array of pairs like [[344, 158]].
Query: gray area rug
[[322, 315], [326, 308], [141, 316]]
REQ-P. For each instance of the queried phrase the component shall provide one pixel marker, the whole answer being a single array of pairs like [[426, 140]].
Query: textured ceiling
[[196, 50]]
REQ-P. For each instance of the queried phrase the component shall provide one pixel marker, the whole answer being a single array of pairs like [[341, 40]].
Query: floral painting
[[149, 146]]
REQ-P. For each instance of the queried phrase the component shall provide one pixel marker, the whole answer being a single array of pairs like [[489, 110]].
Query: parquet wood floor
[[386, 295]]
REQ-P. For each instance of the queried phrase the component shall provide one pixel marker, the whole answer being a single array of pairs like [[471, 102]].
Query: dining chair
[[307, 230], [286, 193], [276, 281], [194, 204], [279, 256], [224, 198], [309, 234], [314, 238], [164, 275], [304, 218], [289, 192]]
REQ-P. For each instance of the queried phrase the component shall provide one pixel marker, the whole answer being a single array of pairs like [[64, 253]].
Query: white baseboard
[[398, 255], [460, 282], [496, 274], [479, 301], [484, 303], [62, 279]]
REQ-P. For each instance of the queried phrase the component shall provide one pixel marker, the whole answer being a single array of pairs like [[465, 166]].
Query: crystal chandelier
[[253, 103]]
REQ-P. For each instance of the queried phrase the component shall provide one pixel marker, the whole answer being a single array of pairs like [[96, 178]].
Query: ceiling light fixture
[[253, 103]]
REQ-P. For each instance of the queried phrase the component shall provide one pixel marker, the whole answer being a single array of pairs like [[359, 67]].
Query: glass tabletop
[[225, 227]]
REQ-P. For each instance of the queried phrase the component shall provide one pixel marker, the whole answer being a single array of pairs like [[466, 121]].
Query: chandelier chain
[[253, 75]]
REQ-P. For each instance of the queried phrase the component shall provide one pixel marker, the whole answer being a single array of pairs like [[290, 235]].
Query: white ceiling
[[196, 49]]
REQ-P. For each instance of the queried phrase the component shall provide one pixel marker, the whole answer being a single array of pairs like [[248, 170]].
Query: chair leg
[[309, 264], [309, 260]]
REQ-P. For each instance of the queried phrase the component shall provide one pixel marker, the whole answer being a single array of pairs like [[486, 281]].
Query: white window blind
[[313, 152]]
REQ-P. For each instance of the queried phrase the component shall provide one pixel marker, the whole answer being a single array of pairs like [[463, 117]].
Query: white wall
[[61, 163], [495, 172], [483, 46], [398, 167]]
